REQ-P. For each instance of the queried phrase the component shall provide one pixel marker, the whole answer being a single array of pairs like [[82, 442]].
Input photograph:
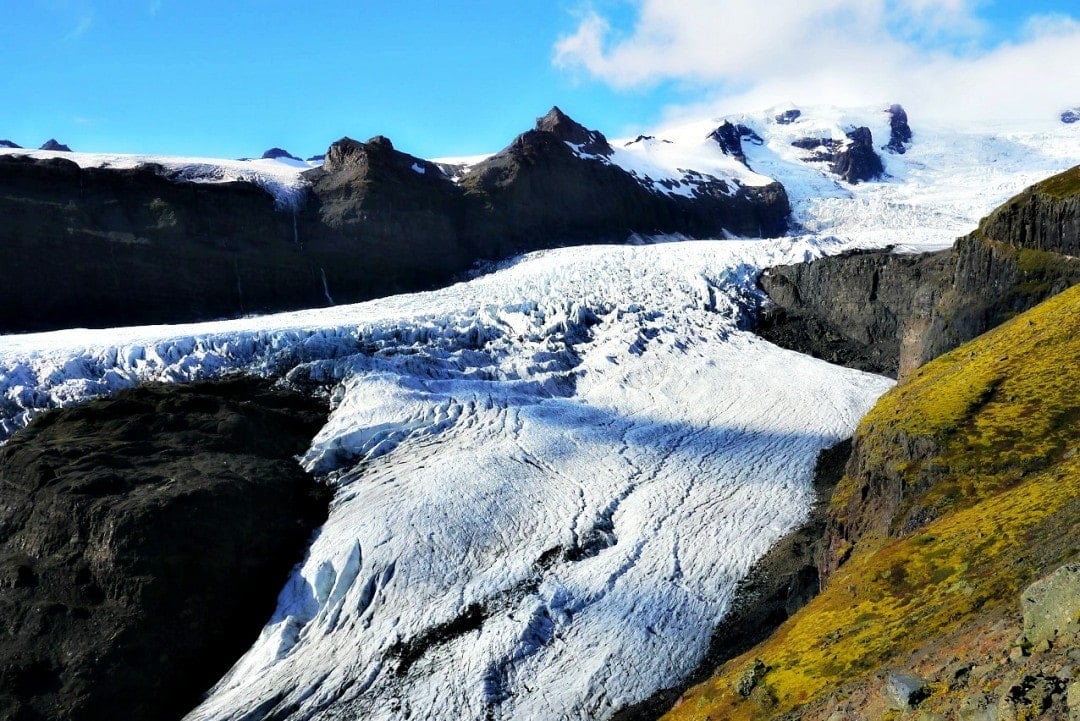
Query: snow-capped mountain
[[550, 479]]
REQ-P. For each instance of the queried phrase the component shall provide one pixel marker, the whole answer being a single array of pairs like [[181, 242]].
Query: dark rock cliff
[[890, 314], [102, 247], [143, 540], [730, 138], [853, 158], [900, 134], [392, 221]]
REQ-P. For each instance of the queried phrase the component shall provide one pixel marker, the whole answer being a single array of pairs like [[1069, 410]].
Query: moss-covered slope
[[964, 487]]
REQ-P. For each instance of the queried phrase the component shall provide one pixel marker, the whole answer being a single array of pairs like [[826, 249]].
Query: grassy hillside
[[982, 447]]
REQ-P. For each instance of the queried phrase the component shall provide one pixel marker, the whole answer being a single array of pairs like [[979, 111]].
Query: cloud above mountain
[[941, 58]]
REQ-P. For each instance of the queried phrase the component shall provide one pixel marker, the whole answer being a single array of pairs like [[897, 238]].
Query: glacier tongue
[[549, 479]]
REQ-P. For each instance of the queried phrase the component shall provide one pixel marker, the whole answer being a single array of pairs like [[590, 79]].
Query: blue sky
[[234, 78]]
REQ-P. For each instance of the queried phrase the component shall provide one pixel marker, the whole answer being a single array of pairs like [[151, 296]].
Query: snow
[[281, 177], [579, 455], [549, 479]]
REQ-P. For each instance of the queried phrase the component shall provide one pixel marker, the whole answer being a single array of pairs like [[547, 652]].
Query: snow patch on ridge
[[281, 177]]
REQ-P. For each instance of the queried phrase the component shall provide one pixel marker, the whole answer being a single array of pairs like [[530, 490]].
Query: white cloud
[[744, 55]]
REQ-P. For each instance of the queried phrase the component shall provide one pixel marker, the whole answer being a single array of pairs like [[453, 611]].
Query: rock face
[[102, 247], [899, 131], [1070, 116], [395, 214], [52, 144], [853, 159], [143, 539], [108, 247], [890, 314], [865, 310]]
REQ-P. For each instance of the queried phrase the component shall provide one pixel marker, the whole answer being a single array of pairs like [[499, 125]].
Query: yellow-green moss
[[1062, 185], [1003, 413], [998, 408]]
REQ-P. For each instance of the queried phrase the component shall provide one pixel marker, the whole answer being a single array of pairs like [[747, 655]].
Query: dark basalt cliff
[[540, 192], [143, 540], [102, 247], [890, 314]]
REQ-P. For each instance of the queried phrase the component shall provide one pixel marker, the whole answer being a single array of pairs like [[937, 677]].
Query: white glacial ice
[[548, 479]]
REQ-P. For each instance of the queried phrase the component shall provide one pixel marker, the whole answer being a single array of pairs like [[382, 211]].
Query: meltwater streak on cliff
[[548, 479]]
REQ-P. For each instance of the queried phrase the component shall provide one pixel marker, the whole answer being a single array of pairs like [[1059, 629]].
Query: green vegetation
[[1062, 185], [995, 429]]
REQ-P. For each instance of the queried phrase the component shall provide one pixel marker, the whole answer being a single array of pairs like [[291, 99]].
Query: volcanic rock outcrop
[[143, 539], [554, 185]]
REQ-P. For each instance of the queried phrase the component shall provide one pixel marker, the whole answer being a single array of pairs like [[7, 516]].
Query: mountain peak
[[353, 152], [53, 144], [275, 153], [568, 130]]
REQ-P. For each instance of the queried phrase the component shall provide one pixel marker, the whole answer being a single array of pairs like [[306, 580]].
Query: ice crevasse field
[[550, 479]]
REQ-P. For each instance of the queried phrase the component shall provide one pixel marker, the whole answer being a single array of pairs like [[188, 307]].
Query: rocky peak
[[788, 116], [275, 153], [730, 138], [8, 144], [52, 144], [568, 130], [900, 131], [853, 158], [352, 153]]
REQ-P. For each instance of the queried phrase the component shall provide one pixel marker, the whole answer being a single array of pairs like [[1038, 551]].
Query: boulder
[[1070, 116], [1051, 604], [905, 690]]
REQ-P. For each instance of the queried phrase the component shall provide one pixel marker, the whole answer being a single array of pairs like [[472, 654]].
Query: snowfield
[[550, 479]]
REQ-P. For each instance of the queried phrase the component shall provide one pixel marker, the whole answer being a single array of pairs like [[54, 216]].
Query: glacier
[[548, 479]]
